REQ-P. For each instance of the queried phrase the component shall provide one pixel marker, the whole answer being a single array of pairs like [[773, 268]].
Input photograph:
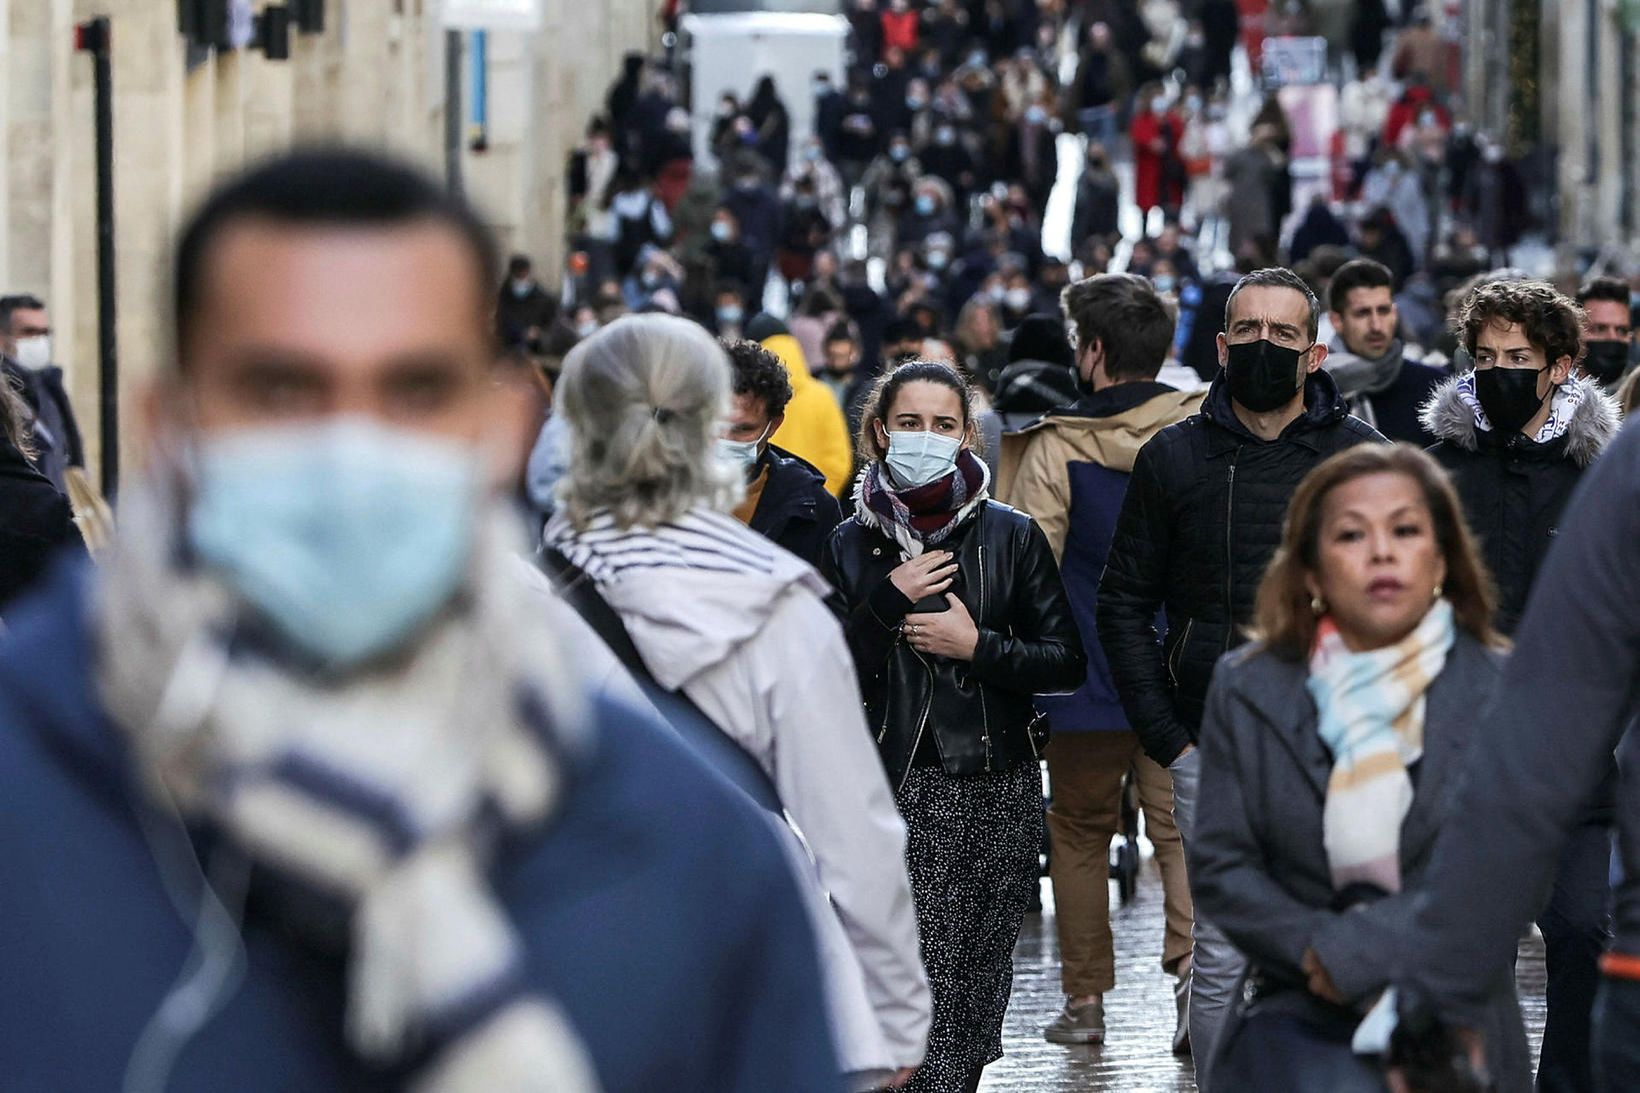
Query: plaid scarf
[[922, 516], [1371, 708]]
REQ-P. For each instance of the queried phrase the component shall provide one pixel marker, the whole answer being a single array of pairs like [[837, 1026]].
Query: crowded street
[[819, 546]]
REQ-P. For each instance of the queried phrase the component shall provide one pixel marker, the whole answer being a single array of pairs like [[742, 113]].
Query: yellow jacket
[[815, 429]]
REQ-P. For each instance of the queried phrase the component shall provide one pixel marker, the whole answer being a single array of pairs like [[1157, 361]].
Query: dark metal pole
[[452, 109], [93, 38]]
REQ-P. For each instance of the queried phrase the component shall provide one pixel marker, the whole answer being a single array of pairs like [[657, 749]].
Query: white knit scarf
[[382, 790]]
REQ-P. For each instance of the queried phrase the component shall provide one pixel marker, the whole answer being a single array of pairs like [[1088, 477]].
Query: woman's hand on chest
[[950, 633], [926, 575]]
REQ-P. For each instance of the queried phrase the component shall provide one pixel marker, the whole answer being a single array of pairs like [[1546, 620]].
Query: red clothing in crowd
[[900, 30], [1406, 111], [1155, 141]]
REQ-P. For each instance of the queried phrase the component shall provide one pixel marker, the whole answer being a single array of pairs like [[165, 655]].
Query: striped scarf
[[699, 539], [382, 794], [1371, 708]]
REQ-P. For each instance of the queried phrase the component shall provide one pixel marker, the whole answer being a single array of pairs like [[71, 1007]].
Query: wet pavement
[[1139, 1015]]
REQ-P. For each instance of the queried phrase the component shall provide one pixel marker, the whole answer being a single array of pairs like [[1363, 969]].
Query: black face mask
[[1508, 396], [1606, 361], [1262, 375]]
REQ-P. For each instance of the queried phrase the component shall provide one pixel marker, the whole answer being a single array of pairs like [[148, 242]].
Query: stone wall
[[374, 76]]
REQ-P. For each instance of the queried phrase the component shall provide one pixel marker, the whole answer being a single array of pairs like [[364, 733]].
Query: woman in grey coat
[[1330, 751]]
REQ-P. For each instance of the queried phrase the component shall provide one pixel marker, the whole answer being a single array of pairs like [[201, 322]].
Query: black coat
[[981, 713], [1098, 207], [1513, 489], [56, 431], [37, 524], [517, 316], [1200, 521], [795, 511]]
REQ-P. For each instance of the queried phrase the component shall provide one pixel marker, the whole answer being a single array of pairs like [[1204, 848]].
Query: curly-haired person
[[786, 498], [1517, 434]]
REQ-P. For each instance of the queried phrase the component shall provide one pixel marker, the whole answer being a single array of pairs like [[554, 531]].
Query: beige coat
[[1034, 468]]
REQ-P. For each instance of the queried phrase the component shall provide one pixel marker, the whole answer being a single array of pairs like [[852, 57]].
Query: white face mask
[[34, 353], [742, 453], [918, 458]]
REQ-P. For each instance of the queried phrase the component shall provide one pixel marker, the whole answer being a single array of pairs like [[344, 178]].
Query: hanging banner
[[492, 14], [1290, 61]]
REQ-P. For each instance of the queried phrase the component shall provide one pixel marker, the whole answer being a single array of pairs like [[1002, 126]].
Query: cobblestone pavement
[[1137, 1055]]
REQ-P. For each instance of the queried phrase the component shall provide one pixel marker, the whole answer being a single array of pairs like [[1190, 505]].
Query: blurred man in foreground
[[301, 770]]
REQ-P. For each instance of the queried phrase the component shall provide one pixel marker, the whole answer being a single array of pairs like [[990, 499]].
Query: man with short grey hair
[[1200, 521]]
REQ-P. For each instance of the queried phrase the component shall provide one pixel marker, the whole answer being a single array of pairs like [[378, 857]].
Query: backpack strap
[[722, 752]]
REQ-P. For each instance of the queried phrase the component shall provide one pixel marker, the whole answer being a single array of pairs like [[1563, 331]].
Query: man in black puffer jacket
[[1200, 521]]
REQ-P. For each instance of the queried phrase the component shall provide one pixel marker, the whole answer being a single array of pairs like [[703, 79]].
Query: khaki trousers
[[1085, 771]]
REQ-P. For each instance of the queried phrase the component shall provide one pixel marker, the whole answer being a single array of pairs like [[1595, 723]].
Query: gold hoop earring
[[1318, 606]]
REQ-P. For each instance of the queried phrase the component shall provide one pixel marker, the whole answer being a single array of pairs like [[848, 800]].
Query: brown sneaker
[[1083, 1024]]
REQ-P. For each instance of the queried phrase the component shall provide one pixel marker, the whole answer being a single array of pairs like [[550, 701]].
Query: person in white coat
[[740, 627]]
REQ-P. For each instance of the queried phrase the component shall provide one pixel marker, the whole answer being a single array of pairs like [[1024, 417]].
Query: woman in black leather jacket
[[956, 618]]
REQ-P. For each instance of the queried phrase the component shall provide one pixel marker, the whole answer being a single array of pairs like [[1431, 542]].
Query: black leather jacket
[[981, 713]]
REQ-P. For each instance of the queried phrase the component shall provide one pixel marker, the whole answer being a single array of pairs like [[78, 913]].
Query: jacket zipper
[[1230, 553], [984, 713], [1178, 653], [922, 723]]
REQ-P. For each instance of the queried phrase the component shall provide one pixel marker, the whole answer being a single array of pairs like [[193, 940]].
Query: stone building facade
[[184, 117]]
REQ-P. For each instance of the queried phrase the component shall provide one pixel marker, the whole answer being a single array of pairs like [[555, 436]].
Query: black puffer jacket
[[1514, 489], [1200, 522], [981, 713]]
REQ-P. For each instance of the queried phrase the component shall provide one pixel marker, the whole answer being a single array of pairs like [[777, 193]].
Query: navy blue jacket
[[1096, 493], [658, 911], [795, 510]]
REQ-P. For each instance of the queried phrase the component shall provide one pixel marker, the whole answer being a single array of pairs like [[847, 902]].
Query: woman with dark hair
[[956, 618], [1331, 747]]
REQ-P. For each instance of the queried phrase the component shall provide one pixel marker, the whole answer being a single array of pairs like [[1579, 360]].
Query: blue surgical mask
[[345, 535], [925, 205], [742, 453], [917, 459], [1164, 282], [721, 231], [730, 316]]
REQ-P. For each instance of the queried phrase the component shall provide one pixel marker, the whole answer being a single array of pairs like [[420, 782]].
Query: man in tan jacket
[[1069, 471]]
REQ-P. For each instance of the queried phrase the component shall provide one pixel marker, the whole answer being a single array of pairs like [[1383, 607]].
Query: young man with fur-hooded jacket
[[1516, 434]]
